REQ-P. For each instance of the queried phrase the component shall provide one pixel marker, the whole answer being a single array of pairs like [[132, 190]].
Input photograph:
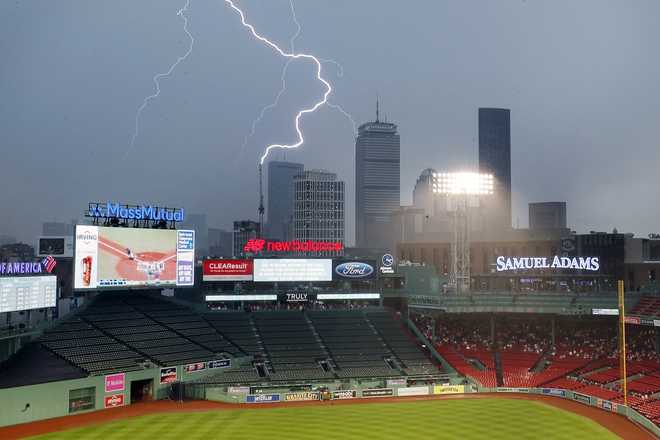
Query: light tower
[[463, 190]]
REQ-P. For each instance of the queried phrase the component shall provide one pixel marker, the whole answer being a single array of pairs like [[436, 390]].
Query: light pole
[[463, 191]]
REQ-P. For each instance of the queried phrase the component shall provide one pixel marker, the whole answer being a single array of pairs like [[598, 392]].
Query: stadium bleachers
[[648, 306]]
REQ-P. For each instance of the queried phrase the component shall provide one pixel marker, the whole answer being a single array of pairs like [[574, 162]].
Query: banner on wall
[[113, 401], [115, 382], [448, 389], [168, 375]]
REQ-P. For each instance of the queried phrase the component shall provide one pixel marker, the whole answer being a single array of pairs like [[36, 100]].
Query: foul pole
[[622, 341]]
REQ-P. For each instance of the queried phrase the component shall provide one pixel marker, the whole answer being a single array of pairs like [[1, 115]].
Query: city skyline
[[582, 122]]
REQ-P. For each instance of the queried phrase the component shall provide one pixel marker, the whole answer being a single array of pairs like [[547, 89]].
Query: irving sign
[[527, 263]]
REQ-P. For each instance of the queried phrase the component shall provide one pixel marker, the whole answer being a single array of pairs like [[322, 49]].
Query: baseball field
[[465, 419]]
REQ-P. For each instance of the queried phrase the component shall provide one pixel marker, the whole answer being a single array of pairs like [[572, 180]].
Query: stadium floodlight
[[463, 183]]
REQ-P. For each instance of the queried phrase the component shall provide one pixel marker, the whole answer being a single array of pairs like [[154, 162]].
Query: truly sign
[[527, 263]]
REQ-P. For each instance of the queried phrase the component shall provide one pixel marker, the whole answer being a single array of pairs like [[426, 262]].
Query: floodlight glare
[[464, 183]]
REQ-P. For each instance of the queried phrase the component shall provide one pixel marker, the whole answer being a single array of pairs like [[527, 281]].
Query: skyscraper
[[423, 196], [318, 212], [280, 197], [495, 158], [244, 230], [377, 182], [547, 215]]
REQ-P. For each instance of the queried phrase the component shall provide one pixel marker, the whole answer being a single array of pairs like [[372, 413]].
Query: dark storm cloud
[[579, 77]]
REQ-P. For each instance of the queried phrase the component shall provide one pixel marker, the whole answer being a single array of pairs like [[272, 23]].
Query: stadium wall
[[51, 399]]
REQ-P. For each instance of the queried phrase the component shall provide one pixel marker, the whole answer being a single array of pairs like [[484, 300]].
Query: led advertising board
[[354, 270], [292, 269], [59, 247], [108, 257], [227, 270], [527, 263], [26, 293]]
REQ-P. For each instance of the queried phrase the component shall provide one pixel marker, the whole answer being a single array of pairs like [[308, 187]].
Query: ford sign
[[354, 270]]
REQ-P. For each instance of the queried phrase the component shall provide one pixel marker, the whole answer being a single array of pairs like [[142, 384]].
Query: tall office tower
[[244, 230], [197, 222], [547, 215], [220, 243], [423, 196], [495, 158], [377, 182], [318, 209], [280, 198]]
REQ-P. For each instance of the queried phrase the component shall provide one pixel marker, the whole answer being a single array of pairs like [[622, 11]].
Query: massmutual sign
[[134, 212], [526, 263]]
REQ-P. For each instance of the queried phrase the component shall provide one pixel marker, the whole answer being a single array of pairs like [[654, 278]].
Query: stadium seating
[[648, 306]]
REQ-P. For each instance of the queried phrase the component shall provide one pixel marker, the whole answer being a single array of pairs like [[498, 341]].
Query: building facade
[[547, 215], [244, 230], [495, 159], [377, 182], [318, 209], [280, 198]]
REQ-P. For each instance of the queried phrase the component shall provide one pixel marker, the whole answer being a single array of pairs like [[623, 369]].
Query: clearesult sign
[[504, 264], [227, 270]]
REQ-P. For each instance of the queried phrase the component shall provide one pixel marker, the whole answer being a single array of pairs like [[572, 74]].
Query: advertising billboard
[[26, 293], [227, 270], [107, 257], [292, 269], [115, 382], [59, 247], [354, 270]]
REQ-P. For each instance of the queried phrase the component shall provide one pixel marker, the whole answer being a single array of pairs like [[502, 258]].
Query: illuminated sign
[[292, 269], [610, 312], [26, 293], [134, 212], [296, 297], [386, 263], [256, 245], [227, 270], [28, 267], [354, 269], [526, 263], [107, 257], [326, 296], [226, 298]]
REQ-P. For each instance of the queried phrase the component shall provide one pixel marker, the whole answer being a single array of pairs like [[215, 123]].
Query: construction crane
[[261, 202]]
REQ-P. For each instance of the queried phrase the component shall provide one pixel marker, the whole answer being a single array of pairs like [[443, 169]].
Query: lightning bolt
[[340, 73], [181, 13], [290, 55]]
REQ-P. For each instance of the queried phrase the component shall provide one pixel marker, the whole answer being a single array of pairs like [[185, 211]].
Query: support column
[[492, 329]]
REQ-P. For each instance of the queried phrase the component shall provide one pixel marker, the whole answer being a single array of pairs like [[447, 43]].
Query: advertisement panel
[[227, 270], [107, 257], [353, 270], [221, 363], [448, 389], [113, 401], [632, 320], [413, 391], [512, 390], [59, 247], [238, 390], [262, 398], [115, 382], [390, 383], [378, 392], [168, 375], [581, 398], [194, 368], [292, 269], [607, 312], [554, 392], [344, 394], [27, 293], [302, 395]]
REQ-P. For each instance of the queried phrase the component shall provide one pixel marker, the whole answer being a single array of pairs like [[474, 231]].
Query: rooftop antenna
[[377, 109]]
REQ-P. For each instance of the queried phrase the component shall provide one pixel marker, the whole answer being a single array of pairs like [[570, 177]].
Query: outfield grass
[[465, 419]]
